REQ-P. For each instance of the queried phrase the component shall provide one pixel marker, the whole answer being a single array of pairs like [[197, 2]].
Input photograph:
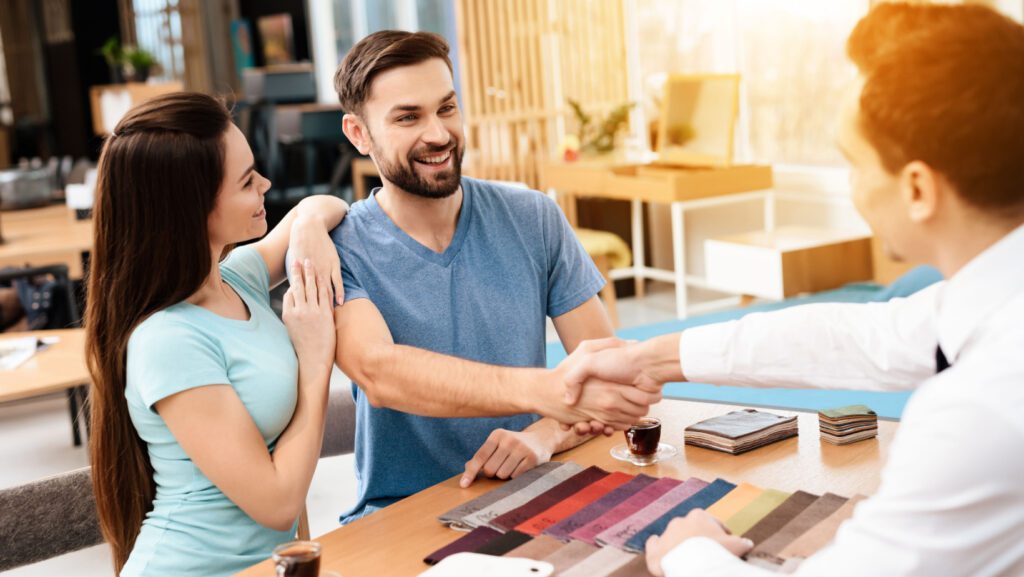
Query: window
[[354, 19], [158, 31], [789, 53]]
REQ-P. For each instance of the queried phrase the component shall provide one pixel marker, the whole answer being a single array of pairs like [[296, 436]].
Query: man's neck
[[431, 221], [973, 237]]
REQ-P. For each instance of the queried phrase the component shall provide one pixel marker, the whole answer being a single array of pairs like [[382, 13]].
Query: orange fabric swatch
[[569, 506], [737, 499]]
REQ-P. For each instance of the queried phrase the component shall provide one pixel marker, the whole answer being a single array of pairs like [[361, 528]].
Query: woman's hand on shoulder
[[309, 315], [309, 240]]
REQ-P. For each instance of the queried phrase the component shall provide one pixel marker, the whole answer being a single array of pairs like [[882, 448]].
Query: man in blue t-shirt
[[448, 282]]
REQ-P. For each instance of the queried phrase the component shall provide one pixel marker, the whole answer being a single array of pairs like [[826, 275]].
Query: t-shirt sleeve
[[572, 276], [349, 269], [246, 264], [166, 358]]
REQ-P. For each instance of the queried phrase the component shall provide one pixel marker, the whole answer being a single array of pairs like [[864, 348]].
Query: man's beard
[[406, 178]]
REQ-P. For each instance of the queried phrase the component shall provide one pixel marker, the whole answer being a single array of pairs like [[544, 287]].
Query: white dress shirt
[[951, 499]]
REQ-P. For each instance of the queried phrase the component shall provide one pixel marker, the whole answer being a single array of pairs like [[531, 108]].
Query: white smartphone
[[462, 564]]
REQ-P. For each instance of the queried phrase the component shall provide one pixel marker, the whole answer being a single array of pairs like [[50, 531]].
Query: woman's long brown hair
[[159, 174]]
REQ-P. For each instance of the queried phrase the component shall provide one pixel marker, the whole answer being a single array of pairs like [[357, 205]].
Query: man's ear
[[920, 191], [356, 132]]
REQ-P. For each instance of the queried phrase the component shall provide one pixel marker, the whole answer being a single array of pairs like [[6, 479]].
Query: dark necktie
[[941, 363]]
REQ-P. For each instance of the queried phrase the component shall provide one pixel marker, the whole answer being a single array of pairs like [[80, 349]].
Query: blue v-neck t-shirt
[[513, 261]]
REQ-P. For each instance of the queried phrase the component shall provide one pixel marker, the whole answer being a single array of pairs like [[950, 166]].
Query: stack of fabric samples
[[592, 523], [845, 425], [740, 431]]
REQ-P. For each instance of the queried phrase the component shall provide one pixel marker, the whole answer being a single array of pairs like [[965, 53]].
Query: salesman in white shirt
[[934, 134]]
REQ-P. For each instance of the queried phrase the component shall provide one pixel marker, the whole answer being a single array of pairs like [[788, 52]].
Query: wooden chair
[[607, 251]]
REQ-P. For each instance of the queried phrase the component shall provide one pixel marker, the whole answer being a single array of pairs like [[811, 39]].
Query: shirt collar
[[978, 290]]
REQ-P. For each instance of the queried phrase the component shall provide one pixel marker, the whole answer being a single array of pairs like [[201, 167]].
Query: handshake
[[608, 384]]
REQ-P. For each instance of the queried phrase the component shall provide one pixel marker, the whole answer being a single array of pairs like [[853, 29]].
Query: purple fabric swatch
[[547, 499], [700, 500], [617, 535], [470, 542], [588, 532], [563, 528]]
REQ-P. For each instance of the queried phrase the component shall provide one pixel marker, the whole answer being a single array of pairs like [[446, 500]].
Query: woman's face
[[238, 214]]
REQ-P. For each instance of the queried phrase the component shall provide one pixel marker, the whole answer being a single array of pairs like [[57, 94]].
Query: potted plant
[[113, 55], [137, 64]]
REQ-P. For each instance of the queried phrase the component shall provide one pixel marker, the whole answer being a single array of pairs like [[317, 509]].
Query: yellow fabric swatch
[[735, 500]]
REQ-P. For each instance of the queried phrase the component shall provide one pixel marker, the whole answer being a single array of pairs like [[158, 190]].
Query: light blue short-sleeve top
[[194, 529]]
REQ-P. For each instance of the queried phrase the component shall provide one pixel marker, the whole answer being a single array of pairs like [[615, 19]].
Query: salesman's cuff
[[703, 352], [704, 556]]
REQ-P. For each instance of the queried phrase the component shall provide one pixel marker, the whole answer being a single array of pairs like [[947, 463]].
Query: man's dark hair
[[945, 85], [382, 51]]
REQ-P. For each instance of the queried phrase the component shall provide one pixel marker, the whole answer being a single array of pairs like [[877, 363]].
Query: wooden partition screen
[[520, 60]]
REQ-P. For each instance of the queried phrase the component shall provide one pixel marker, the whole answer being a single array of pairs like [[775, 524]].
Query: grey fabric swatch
[[522, 496], [604, 562], [454, 517]]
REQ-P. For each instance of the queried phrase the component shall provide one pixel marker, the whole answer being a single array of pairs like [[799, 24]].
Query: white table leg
[[769, 211], [679, 256], [639, 258]]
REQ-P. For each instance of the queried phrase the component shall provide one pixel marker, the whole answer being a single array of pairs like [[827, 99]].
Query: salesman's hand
[[602, 402], [612, 364], [698, 523], [507, 454]]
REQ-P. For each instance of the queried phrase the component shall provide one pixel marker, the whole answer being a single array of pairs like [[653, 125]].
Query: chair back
[[47, 518]]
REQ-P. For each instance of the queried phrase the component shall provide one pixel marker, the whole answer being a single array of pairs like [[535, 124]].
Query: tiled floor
[[35, 441]]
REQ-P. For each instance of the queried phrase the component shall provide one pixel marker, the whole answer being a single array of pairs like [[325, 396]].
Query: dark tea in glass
[[297, 559], [643, 438]]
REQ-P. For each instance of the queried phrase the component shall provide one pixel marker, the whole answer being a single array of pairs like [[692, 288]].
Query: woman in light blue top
[[207, 411]]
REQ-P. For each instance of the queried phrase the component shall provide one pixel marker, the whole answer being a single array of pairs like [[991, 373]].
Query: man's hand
[[621, 364], [698, 523], [507, 454]]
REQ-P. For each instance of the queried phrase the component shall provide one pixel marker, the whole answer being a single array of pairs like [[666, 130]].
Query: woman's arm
[[217, 432], [304, 229]]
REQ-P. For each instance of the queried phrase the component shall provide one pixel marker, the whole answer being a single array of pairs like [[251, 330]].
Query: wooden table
[[61, 367], [394, 540], [45, 236], [681, 188]]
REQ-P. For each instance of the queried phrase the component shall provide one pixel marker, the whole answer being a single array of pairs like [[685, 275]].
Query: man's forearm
[[431, 384]]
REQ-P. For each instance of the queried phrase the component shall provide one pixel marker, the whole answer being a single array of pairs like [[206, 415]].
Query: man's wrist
[[544, 393]]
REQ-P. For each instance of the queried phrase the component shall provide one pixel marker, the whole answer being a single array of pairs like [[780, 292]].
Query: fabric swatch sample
[[503, 544], [700, 500], [821, 534], [573, 503], [465, 544], [536, 548], [619, 533], [814, 513], [737, 499], [781, 515], [516, 499], [564, 528], [635, 568], [569, 555], [600, 564], [588, 532], [549, 498], [740, 431], [454, 516], [750, 515]]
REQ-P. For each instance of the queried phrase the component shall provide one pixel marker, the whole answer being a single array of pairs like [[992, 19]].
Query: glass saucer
[[665, 451]]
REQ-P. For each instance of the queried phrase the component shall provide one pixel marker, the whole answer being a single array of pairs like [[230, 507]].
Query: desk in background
[[400, 536], [45, 236], [682, 188], [61, 367]]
